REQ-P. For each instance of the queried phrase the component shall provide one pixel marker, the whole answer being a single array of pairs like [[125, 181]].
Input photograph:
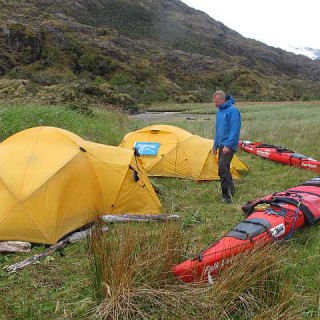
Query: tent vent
[[135, 176], [136, 152]]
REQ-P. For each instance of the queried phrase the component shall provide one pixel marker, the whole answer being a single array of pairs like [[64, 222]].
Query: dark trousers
[[226, 182]]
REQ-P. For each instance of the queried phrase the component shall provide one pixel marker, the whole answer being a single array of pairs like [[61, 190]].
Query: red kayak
[[271, 218], [280, 154]]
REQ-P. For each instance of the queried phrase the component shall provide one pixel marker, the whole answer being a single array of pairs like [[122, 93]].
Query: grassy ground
[[63, 287]]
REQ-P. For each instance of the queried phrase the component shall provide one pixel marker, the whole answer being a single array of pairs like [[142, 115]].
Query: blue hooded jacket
[[228, 125]]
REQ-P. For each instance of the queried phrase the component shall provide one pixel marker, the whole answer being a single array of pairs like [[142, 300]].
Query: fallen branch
[[75, 237], [15, 246], [138, 218]]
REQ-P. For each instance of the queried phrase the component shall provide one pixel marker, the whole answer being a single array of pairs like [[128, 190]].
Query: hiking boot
[[226, 200]]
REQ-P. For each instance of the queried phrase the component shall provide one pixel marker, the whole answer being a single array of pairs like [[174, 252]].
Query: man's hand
[[214, 151], [225, 150]]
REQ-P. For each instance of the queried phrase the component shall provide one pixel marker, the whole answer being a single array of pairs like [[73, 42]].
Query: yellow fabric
[[168, 136], [53, 182], [180, 154]]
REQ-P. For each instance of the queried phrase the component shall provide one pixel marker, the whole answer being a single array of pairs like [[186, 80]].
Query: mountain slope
[[143, 51], [177, 26]]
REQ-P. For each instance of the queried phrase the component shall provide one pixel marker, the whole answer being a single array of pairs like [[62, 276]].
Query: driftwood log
[[15, 246], [138, 218], [75, 237]]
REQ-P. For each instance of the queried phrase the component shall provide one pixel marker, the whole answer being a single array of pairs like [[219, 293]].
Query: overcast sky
[[277, 23]]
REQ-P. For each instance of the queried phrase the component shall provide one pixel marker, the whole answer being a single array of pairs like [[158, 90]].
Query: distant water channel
[[175, 116]]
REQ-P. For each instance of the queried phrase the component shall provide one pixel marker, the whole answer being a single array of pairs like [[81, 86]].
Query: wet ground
[[171, 116]]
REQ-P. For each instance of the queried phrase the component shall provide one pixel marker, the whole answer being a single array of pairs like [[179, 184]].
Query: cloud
[[274, 22]]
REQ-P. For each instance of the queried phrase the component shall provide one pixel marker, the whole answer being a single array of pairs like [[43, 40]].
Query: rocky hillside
[[126, 52]]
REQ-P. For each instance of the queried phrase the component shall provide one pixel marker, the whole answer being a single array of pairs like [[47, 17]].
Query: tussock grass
[[127, 263], [132, 280]]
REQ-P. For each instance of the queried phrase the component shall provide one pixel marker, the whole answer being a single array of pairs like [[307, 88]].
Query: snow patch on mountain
[[309, 52]]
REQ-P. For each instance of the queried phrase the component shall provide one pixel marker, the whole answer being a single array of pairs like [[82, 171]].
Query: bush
[[96, 64], [51, 55], [305, 98], [121, 80], [80, 108], [185, 98]]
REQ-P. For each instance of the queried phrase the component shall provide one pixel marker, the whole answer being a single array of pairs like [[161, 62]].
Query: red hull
[[281, 155], [287, 211]]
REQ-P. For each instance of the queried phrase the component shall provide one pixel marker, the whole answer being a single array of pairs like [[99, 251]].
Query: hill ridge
[[103, 49]]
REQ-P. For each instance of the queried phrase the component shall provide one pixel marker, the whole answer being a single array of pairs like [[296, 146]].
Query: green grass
[[90, 123], [196, 108], [63, 287]]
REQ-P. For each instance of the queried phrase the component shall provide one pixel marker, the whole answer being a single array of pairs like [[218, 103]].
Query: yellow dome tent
[[173, 152], [53, 182]]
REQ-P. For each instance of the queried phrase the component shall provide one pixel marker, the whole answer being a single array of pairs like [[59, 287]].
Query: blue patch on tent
[[147, 148]]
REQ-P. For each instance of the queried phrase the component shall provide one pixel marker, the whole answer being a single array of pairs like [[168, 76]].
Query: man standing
[[228, 124]]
